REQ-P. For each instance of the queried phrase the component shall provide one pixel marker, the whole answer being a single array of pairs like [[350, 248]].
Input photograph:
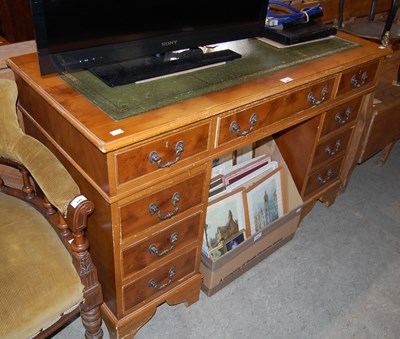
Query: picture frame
[[217, 252], [234, 241], [255, 175], [242, 172], [222, 163], [265, 201], [217, 185], [225, 217], [244, 154]]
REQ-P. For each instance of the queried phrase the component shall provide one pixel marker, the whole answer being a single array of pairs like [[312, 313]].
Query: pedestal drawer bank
[[149, 173]]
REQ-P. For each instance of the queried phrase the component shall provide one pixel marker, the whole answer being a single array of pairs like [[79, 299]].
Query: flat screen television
[[136, 38]]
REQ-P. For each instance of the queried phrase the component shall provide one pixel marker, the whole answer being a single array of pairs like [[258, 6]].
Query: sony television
[[127, 40]]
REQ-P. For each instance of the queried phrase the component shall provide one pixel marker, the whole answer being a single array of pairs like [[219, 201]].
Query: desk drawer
[[254, 118], [358, 77], [343, 115], [323, 177], [159, 280], [166, 204], [160, 245], [168, 151], [332, 148]]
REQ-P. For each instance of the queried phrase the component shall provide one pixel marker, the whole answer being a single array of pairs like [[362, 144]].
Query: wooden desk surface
[[98, 126]]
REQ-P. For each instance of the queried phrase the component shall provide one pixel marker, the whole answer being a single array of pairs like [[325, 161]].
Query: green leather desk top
[[258, 59]]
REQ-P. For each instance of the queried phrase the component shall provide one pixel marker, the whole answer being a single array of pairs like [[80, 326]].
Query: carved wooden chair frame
[[71, 231]]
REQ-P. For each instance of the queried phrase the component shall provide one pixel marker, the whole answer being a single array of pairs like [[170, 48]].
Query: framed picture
[[264, 201], [234, 241], [217, 252], [222, 164], [242, 171], [225, 218], [244, 154], [216, 185]]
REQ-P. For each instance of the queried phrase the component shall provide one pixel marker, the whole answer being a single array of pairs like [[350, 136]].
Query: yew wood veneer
[[146, 232]]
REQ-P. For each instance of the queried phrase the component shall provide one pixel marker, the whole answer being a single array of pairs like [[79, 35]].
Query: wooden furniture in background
[[372, 29], [16, 22], [384, 119], [3, 41], [351, 8], [317, 119]]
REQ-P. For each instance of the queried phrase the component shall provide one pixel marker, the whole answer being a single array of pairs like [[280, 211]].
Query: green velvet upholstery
[[34, 291], [45, 268], [16, 145]]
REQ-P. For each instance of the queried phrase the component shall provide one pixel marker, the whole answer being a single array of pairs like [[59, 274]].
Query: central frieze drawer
[[160, 245], [166, 152], [159, 280], [149, 210], [251, 119]]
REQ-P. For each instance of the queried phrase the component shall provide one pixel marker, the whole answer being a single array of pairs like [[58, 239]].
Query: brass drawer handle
[[154, 250], [154, 284], [313, 100], [153, 208], [328, 177], [343, 119], [155, 158], [356, 82], [332, 152], [235, 128]]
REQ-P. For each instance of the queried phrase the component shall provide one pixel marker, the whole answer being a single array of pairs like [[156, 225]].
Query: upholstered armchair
[[47, 276]]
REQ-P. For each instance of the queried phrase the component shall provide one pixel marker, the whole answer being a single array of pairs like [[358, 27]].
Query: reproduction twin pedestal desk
[[148, 174]]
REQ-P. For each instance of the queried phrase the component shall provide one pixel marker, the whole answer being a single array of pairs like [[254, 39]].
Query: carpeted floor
[[338, 278]]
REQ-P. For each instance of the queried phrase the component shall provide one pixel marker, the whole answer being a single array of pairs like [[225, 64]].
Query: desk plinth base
[[187, 293]]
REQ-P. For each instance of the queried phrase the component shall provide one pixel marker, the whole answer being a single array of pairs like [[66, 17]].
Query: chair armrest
[[45, 168], [77, 212], [51, 176]]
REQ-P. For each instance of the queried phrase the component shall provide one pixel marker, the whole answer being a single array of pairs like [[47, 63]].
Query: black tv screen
[[73, 34]]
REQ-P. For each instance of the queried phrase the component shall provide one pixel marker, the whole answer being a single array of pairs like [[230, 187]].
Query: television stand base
[[141, 69]]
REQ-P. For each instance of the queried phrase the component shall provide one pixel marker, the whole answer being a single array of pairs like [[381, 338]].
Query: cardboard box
[[219, 273]]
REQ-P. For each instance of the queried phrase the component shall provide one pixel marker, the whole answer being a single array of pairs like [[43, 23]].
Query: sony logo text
[[169, 43]]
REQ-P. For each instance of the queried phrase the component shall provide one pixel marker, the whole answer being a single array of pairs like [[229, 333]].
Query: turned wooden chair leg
[[92, 322]]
